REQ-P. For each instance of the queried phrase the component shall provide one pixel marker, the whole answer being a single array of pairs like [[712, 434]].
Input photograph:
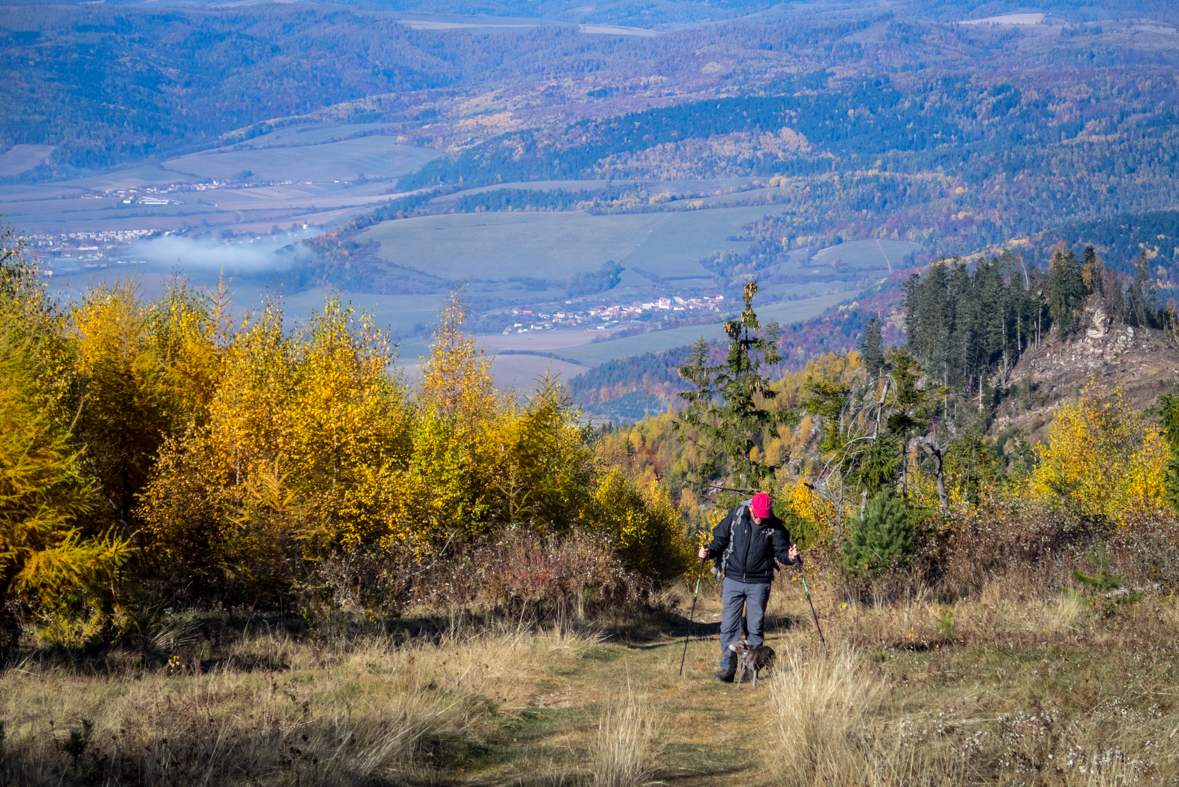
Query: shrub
[[643, 525], [515, 573], [1102, 460]]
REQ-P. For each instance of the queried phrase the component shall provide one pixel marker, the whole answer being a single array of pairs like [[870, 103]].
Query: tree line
[[174, 452], [966, 323]]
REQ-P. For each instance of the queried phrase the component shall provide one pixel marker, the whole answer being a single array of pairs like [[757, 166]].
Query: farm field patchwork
[[784, 313], [576, 348]]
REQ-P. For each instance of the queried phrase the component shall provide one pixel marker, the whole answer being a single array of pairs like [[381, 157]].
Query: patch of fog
[[241, 256]]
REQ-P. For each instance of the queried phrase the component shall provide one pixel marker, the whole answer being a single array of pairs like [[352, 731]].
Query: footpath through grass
[[1005, 689]]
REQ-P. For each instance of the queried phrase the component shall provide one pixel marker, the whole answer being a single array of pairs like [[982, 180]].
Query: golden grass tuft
[[819, 705], [628, 742]]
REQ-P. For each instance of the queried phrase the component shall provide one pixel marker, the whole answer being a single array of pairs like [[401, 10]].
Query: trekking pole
[[806, 590], [691, 615]]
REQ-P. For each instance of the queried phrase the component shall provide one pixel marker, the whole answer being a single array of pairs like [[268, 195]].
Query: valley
[[378, 379], [564, 163]]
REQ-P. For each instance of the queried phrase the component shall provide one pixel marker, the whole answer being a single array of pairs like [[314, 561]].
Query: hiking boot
[[725, 677]]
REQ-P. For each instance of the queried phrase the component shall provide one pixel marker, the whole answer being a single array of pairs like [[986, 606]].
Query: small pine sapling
[[882, 537]]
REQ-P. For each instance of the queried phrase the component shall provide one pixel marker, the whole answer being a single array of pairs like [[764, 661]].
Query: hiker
[[747, 541]]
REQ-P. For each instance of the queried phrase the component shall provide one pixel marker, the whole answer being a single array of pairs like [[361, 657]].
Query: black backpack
[[738, 512]]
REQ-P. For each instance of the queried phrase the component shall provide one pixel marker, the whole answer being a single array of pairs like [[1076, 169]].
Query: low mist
[[240, 256]]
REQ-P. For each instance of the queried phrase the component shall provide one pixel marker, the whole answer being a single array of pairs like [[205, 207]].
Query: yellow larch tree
[[1102, 459], [52, 551], [126, 410]]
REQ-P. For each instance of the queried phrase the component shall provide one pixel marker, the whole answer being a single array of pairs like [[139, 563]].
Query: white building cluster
[[605, 316]]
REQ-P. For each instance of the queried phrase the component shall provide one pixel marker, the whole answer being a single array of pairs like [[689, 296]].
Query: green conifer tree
[[882, 537], [726, 409], [1141, 307], [1066, 291], [1169, 403], [872, 347]]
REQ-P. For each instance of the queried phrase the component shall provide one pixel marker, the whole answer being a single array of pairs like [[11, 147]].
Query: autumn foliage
[[171, 450]]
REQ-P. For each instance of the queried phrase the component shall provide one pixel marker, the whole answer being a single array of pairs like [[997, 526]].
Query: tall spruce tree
[[1169, 404], [872, 347], [909, 406], [1066, 291], [726, 409], [1141, 309]]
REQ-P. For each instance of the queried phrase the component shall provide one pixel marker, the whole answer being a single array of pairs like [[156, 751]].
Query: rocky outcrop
[[1143, 362]]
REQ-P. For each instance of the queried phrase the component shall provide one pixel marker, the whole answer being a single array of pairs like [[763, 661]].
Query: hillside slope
[[1142, 362]]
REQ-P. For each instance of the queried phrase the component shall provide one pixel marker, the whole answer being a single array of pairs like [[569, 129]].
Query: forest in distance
[[371, 375]]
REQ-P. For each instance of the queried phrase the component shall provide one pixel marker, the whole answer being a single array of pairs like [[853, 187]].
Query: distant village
[[602, 317], [72, 252]]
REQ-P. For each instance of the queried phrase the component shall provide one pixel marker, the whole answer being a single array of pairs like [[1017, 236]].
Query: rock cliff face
[[1142, 361]]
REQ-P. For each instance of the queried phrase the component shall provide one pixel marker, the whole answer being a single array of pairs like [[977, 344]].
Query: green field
[[374, 157], [555, 245], [398, 312], [503, 245], [310, 135], [867, 253]]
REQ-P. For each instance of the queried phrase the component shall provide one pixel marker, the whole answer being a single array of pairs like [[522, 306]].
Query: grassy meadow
[[1020, 685], [374, 157], [555, 245], [874, 253]]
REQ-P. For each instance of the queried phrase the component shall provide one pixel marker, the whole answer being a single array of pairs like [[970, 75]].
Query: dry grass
[[838, 718], [628, 742], [354, 713], [1015, 685]]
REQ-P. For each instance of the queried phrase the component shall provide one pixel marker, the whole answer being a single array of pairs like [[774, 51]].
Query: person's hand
[[793, 552], [703, 553]]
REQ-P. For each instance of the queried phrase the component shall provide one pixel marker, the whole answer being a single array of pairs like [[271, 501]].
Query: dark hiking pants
[[744, 611]]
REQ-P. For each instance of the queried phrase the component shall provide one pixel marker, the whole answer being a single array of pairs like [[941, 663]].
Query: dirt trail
[[710, 727]]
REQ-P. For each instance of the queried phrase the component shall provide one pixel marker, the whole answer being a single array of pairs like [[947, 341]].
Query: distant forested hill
[[110, 85], [107, 84], [667, 12]]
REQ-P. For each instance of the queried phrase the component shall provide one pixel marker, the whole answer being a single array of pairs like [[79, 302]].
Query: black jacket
[[754, 546]]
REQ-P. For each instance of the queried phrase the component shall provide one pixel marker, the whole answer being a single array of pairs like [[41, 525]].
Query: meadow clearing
[[1017, 685], [554, 245], [371, 156]]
